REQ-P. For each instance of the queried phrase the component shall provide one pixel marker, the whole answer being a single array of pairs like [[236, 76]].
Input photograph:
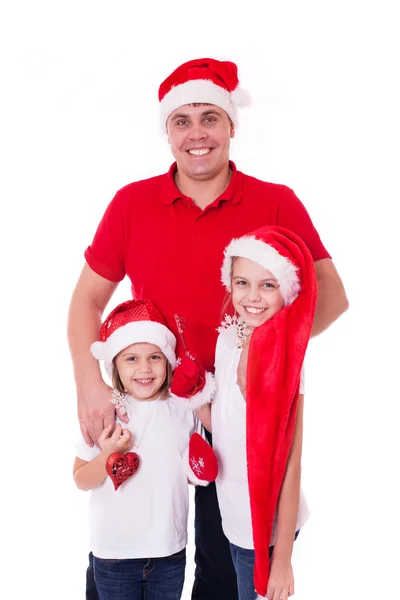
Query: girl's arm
[[204, 414], [88, 475], [287, 513]]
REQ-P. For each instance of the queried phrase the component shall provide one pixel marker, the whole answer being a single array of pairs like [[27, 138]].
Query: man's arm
[[332, 299], [90, 297]]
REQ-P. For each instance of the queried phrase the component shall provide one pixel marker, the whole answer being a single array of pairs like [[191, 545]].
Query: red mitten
[[188, 379], [121, 467], [202, 466]]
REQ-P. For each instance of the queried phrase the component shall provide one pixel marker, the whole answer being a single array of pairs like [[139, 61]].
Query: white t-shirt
[[229, 444], [147, 516]]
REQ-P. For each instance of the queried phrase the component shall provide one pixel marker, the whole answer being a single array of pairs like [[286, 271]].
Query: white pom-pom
[[240, 97], [98, 350]]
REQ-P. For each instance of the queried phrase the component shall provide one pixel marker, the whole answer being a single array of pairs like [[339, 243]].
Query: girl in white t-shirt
[[257, 412], [139, 499]]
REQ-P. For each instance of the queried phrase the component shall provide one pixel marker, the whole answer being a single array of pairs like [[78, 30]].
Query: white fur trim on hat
[[201, 398], [188, 471], [267, 257], [199, 91], [133, 333]]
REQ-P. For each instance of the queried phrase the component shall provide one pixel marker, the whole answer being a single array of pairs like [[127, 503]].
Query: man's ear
[[232, 134], [166, 131]]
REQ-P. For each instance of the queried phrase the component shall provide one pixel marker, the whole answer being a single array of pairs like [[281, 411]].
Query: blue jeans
[[243, 561], [140, 578]]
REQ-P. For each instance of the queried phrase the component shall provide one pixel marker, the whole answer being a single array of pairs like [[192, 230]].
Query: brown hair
[[227, 306], [117, 383]]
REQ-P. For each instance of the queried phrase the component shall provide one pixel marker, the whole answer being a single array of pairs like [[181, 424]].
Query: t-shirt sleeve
[[85, 452], [106, 254], [293, 215]]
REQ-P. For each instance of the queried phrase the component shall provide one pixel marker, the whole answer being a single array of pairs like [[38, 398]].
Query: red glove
[[188, 379], [203, 466]]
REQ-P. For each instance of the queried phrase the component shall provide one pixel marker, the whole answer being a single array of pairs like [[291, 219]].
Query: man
[[167, 234]]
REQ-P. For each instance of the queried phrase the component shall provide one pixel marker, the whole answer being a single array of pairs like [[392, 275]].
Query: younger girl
[[257, 434], [138, 528]]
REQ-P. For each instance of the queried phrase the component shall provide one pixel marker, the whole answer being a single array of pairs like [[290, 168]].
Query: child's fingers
[[117, 433], [126, 436], [273, 593], [105, 433]]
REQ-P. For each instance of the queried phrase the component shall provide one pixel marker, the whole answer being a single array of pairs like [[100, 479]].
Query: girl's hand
[[281, 581], [118, 441]]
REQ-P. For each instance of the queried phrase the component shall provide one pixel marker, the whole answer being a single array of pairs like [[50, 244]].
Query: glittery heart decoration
[[121, 467]]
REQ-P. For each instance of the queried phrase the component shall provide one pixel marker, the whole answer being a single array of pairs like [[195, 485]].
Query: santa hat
[[203, 81], [276, 258], [132, 322], [276, 354]]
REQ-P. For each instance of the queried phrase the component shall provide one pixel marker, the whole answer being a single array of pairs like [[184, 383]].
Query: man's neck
[[205, 192]]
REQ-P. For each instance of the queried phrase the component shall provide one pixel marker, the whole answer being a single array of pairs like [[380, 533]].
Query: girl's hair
[[117, 383], [227, 306]]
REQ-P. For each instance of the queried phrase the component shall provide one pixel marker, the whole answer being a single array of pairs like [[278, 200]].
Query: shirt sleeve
[[106, 254], [293, 215], [84, 451]]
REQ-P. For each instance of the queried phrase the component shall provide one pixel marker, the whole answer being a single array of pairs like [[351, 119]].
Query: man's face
[[199, 136]]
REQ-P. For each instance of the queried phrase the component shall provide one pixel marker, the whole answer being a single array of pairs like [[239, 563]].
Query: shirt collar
[[232, 194]]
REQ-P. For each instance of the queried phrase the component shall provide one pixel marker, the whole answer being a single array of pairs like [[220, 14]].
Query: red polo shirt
[[172, 251]]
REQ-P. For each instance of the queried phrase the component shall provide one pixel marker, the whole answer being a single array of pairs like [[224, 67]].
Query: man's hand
[[96, 413], [281, 580]]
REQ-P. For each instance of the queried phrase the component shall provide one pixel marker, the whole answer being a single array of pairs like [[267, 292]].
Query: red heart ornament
[[121, 467]]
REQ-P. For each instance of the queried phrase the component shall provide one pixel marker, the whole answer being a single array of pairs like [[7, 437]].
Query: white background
[[79, 120]]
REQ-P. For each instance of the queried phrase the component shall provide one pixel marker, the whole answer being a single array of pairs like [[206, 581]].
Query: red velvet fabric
[[223, 73], [189, 378], [276, 355]]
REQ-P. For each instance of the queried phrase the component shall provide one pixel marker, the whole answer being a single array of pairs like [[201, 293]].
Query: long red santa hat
[[276, 354]]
